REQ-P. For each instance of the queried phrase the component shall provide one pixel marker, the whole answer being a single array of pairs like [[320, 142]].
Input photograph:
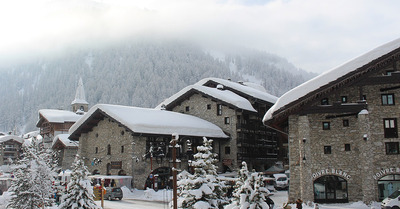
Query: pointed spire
[[80, 105], [80, 94]]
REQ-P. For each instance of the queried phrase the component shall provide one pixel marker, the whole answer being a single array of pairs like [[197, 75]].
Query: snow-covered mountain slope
[[136, 74]]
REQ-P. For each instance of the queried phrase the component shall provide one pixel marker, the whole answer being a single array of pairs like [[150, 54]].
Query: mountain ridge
[[135, 74]]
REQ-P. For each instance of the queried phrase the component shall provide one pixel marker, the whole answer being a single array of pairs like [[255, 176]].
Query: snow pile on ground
[[281, 197], [161, 195]]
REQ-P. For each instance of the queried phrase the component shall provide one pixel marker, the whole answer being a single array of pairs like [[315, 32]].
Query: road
[[129, 204]]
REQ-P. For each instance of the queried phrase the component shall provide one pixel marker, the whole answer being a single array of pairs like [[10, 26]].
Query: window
[[219, 109], [122, 149], [364, 97], [347, 147], [389, 72], [122, 133], [390, 126], [344, 99], [326, 125], [327, 150], [227, 120], [187, 108], [387, 99], [208, 107], [109, 149], [227, 150], [96, 150], [392, 148], [325, 101], [345, 123]]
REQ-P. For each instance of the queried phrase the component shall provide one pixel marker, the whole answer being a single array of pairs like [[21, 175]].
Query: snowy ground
[[149, 199]]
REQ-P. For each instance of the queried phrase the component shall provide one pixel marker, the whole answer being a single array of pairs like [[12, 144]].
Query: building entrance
[[387, 185], [330, 189]]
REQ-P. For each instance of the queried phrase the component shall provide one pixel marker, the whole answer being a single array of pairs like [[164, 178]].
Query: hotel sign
[[331, 171], [385, 172]]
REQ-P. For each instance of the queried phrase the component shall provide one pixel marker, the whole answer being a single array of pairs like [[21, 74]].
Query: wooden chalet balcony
[[45, 130], [257, 156], [343, 109]]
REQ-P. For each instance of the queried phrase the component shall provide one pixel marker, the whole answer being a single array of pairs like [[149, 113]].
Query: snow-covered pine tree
[[32, 186], [79, 190], [250, 191], [202, 190]]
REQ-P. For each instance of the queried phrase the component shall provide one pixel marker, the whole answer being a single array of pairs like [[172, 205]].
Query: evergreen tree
[[201, 189], [32, 186], [79, 190], [250, 191]]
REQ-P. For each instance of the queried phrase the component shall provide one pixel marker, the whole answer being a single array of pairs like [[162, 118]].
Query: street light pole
[[174, 171]]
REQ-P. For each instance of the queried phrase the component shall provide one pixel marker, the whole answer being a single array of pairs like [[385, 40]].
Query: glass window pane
[[384, 99], [387, 124], [391, 123], [390, 99], [319, 191]]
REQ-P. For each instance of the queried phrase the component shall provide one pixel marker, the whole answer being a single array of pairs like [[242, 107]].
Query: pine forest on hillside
[[139, 74]]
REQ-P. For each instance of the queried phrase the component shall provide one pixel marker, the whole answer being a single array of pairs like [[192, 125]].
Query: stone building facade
[[121, 140], [66, 150], [238, 110], [342, 131]]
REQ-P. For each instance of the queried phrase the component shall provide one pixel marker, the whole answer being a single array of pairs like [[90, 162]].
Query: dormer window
[[325, 101], [389, 72], [344, 99]]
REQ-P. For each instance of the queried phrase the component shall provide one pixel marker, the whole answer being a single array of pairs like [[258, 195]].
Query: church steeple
[[80, 105]]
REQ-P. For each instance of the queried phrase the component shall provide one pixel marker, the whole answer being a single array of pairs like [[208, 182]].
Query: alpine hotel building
[[343, 131]]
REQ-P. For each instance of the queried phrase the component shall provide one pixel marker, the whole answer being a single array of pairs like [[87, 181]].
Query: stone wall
[[107, 133], [68, 157], [198, 107]]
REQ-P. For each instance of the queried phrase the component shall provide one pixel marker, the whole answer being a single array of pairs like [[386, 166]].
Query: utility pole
[[175, 138], [102, 193]]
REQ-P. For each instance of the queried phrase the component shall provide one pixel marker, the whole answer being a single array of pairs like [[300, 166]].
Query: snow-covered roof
[[11, 137], [80, 97], [63, 138], [223, 95], [246, 88], [153, 121], [59, 116], [330, 76]]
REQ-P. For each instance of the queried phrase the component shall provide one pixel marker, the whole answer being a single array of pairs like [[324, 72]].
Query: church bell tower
[[80, 105]]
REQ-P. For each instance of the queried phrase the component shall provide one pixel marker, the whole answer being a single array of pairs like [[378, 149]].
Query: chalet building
[[343, 131], [53, 122], [132, 141], [238, 109], [10, 148], [67, 150]]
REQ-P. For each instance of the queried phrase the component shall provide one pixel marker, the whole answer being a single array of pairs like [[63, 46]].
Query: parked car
[[281, 181], [113, 193], [392, 201]]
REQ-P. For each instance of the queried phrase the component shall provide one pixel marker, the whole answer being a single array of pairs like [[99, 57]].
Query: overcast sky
[[315, 35]]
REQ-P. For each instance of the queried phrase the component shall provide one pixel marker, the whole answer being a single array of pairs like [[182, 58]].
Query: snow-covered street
[[129, 204], [154, 200]]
